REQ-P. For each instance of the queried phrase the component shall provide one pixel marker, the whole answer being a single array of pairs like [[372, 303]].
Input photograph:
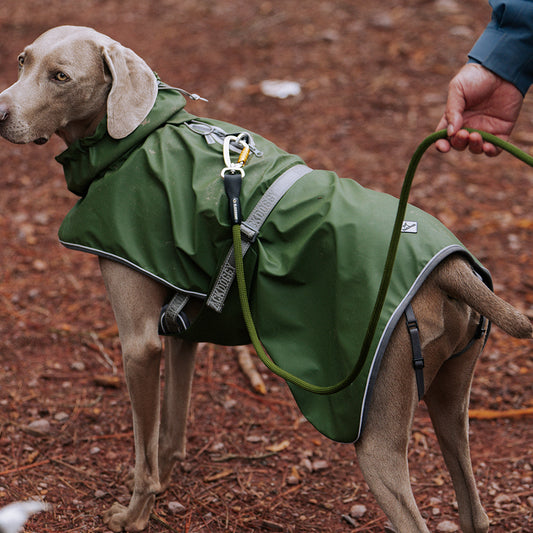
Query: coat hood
[[87, 159]]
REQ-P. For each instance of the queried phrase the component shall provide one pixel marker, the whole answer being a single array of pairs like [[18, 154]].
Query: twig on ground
[[232, 456], [248, 367], [102, 351], [24, 467], [164, 523], [488, 414]]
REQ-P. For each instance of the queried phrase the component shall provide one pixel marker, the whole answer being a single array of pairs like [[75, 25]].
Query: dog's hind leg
[[382, 449], [179, 370], [136, 302], [447, 400]]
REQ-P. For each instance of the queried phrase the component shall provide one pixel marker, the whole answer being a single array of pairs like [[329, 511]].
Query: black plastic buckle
[[418, 364]]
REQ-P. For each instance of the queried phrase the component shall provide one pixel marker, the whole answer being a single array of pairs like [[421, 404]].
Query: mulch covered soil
[[373, 78]]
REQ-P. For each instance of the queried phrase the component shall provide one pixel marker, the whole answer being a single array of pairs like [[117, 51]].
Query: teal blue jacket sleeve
[[506, 45]]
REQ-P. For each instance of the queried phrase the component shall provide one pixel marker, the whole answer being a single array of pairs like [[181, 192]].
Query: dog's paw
[[114, 517], [118, 518], [133, 518]]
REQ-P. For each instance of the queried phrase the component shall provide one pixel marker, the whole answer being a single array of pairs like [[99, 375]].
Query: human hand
[[479, 99]]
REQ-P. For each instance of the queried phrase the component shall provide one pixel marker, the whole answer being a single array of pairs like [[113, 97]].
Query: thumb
[[455, 107]]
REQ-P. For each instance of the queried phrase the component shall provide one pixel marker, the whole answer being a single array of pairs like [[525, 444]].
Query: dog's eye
[[21, 61], [61, 76]]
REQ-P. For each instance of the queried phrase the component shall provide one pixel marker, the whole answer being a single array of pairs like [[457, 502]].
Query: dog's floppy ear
[[133, 90]]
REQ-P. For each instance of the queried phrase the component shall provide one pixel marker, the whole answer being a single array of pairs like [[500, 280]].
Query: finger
[[455, 123], [475, 143], [460, 140], [455, 107], [443, 146], [490, 150]]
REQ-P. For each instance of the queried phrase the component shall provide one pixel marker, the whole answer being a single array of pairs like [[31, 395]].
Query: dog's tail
[[457, 279]]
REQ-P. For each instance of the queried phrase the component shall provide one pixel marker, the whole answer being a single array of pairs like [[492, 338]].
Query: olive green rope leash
[[385, 280]]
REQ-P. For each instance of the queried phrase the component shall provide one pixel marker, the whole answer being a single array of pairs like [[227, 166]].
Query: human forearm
[[506, 46]]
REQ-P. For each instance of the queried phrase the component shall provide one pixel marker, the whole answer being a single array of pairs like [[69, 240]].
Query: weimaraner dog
[[69, 79]]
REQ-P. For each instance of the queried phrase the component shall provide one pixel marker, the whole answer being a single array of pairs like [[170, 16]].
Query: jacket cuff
[[509, 58]]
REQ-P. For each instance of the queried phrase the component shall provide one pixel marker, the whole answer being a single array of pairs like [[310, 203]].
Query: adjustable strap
[[192, 96], [214, 134], [481, 330], [173, 320], [249, 231], [418, 359]]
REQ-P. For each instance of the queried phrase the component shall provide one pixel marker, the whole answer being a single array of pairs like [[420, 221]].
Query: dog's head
[[68, 79]]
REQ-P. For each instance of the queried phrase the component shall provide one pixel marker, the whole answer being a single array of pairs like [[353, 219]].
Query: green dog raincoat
[[155, 201]]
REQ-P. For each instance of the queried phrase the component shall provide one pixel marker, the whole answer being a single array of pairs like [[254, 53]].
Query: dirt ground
[[373, 79]]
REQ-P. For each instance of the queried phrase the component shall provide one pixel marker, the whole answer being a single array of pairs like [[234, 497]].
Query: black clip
[[232, 185], [418, 358]]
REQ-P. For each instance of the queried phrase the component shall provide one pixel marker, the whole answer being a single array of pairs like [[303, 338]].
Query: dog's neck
[[79, 129]]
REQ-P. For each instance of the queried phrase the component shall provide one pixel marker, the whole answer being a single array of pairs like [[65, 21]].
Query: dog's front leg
[[179, 370], [136, 302]]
